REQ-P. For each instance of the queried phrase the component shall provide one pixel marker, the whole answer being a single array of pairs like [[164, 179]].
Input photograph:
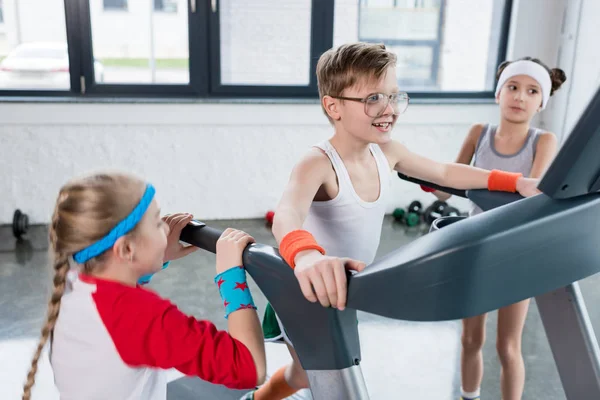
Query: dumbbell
[[435, 211], [20, 224], [269, 217], [412, 215]]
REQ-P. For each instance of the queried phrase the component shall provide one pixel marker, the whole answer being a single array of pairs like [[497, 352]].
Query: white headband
[[529, 68]]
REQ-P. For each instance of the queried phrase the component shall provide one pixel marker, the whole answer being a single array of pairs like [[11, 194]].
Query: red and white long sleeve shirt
[[113, 341]]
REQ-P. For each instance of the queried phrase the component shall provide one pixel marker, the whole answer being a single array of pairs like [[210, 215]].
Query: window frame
[[197, 66], [501, 51], [205, 64], [434, 45], [321, 32], [117, 9], [162, 10]]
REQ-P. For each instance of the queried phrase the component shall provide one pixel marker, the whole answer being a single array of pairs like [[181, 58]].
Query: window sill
[[224, 112], [216, 100]]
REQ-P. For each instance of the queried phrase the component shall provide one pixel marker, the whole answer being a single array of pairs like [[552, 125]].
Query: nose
[[389, 109], [518, 95]]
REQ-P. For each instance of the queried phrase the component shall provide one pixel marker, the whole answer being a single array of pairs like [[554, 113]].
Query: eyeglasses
[[376, 103]]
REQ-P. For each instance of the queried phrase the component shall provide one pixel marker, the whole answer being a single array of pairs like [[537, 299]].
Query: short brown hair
[[340, 68]]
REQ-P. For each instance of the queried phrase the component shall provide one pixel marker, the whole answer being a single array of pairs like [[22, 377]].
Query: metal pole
[[18, 22], [152, 61], [572, 341], [339, 384]]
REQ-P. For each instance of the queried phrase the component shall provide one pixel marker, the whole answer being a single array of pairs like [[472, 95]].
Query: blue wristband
[[234, 290], [144, 279]]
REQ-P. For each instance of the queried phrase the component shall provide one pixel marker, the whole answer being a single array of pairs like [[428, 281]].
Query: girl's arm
[[148, 331], [545, 151]]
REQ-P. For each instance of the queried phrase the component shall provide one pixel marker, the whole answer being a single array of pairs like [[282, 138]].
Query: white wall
[[535, 29], [536, 32], [214, 160], [577, 55], [585, 74]]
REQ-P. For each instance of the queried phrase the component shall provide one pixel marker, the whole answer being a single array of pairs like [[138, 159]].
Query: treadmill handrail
[[485, 199], [338, 346], [426, 274], [455, 192]]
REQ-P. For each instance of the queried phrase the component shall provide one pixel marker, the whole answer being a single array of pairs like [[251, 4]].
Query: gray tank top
[[487, 157]]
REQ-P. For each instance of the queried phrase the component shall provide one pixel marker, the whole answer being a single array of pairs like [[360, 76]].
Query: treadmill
[[518, 249]]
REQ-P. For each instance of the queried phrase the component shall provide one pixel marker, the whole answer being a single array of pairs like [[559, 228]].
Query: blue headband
[[118, 231]]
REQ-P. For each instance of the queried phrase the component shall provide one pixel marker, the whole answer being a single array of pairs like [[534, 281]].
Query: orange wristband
[[295, 242], [503, 181]]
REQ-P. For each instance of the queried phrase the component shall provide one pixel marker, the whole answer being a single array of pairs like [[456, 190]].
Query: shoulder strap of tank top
[[383, 165], [482, 136], [336, 161], [535, 134], [324, 145]]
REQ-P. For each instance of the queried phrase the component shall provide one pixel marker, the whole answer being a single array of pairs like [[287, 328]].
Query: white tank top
[[348, 226]]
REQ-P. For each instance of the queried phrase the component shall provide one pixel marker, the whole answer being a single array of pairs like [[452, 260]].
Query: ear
[[331, 106], [123, 249], [498, 99]]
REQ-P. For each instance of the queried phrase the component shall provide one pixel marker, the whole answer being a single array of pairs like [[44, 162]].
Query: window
[[142, 46], [264, 42], [115, 4], [409, 29], [165, 5], [33, 48], [241, 48], [435, 41], [268, 47]]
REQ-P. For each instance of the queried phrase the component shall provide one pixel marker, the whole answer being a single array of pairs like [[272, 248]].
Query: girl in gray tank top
[[523, 89], [487, 157]]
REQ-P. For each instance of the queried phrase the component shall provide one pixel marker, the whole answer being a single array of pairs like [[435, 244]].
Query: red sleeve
[[150, 331]]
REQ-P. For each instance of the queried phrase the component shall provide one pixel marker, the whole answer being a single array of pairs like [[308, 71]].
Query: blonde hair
[[85, 211], [340, 68]]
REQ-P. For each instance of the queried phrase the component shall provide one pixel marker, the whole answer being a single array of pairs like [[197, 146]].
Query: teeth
[[383, 125]]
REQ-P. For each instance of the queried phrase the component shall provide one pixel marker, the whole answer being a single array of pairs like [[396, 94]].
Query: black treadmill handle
[[198, 234], [455, 192]]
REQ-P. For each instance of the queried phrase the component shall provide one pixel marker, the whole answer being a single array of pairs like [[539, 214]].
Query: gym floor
[[400, 360]]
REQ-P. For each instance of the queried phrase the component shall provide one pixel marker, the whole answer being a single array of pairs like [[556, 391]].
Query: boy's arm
[[458, 176], [465, 156], [544, 154], [305, 180], [320, 277]]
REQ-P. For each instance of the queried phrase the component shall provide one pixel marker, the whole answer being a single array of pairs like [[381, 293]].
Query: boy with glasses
[[330, 215]]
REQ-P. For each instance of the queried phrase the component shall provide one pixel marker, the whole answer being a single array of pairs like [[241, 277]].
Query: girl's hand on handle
[[528, 187], [243, 324], [230, 247], [175, 249]]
